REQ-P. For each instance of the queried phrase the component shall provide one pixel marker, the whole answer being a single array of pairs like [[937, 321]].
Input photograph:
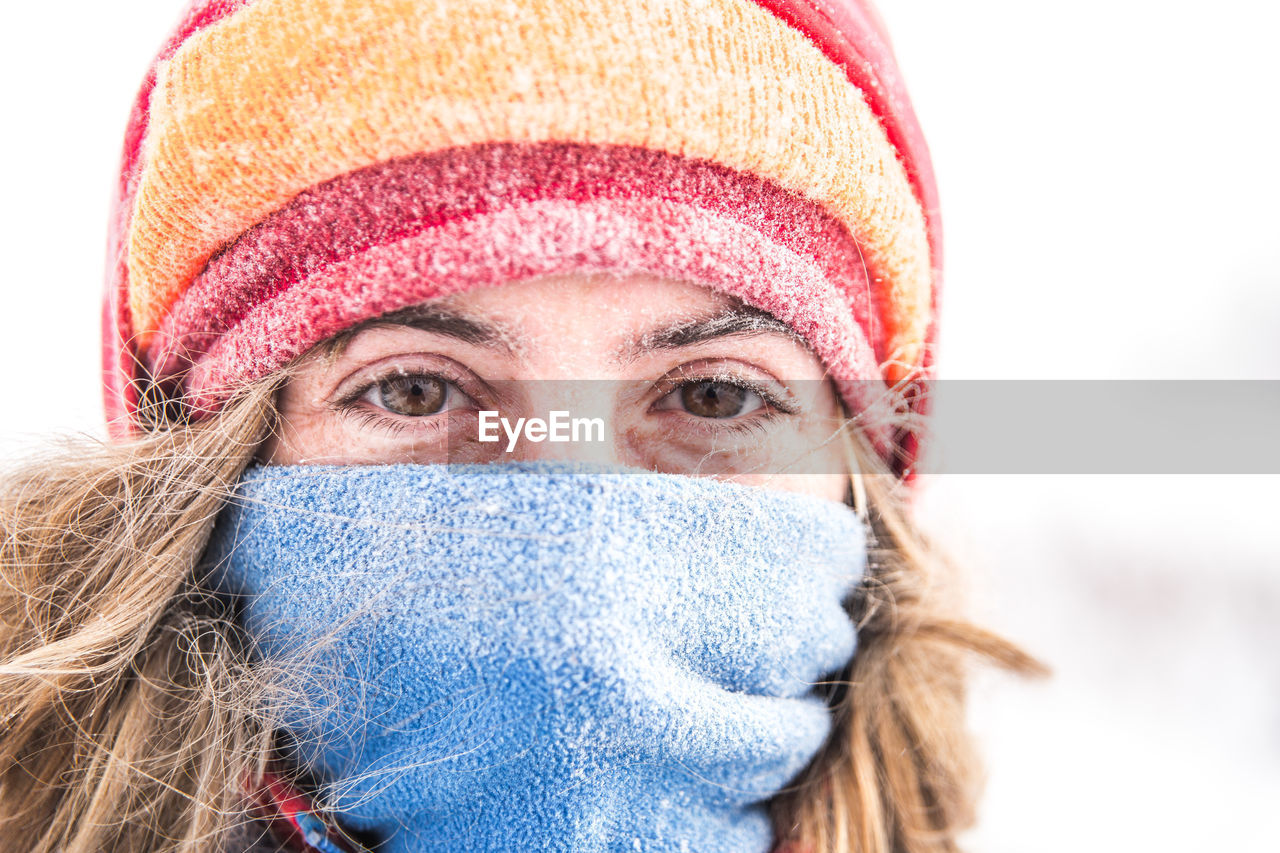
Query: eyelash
[[367, 417], [774, 408], [744, 426]]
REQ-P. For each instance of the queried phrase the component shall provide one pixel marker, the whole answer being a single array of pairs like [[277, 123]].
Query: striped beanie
[[292, 167]]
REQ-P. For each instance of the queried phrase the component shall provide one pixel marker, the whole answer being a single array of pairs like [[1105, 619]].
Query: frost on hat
[[292, 168]]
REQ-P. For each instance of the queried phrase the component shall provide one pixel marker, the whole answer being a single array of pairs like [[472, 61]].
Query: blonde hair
[[130, 710], [899, 774]]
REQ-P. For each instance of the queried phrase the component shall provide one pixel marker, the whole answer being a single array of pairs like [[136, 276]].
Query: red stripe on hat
[[389, 202]]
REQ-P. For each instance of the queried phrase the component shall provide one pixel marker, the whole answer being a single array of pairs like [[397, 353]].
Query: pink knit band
[[393, 201]]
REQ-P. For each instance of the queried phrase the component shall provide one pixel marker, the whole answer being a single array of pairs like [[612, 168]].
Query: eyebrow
[[435, 319], [736, 320]]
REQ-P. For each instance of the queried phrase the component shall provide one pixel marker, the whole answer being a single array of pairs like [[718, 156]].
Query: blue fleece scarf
[[544, 656]]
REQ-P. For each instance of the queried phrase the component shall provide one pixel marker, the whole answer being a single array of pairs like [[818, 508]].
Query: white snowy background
[[1109, 174]]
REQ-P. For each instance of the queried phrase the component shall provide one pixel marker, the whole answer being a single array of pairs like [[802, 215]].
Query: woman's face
[[633, 370]]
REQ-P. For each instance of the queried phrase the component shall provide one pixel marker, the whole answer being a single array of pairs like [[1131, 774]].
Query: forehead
[[582, 323], [583, 310]]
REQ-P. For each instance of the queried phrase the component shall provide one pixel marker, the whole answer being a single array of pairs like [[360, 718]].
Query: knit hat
[[292, 168]]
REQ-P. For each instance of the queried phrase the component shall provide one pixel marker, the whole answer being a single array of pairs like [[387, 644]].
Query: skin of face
[[681, 379]]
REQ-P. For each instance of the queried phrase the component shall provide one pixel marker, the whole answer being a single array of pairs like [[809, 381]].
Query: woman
[[673, 264]]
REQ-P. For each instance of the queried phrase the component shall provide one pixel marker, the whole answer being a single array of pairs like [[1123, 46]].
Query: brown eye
[[712, 399], [413, 395]]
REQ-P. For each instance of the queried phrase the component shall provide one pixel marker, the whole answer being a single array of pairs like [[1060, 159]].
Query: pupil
[[413, 395], [710, 399]]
